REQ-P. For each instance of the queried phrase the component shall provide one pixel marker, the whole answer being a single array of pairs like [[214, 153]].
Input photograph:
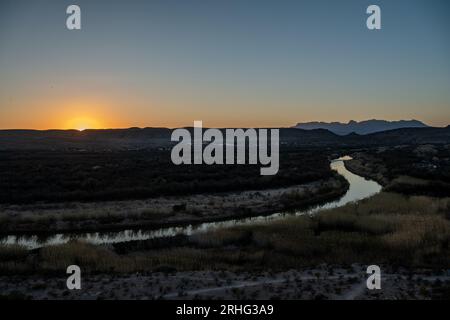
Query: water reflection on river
[[360, 188]]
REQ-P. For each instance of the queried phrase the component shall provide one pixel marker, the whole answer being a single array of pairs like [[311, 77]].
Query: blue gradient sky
[[228, 63]]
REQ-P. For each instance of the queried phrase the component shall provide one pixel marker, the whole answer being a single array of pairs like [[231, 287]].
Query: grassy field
[[393, 229]]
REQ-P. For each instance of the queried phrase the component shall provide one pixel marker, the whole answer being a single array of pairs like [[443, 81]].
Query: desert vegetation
[[391, 229], [61, 176], [406, 227], [164, 211], [408, 169]]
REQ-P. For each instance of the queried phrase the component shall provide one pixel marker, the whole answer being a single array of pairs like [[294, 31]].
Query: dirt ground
[[319, 283]]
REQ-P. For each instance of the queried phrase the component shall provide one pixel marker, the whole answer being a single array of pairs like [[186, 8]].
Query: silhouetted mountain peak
[[362, 127]]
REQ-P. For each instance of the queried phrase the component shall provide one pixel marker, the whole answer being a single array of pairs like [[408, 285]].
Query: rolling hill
[[148, 138]]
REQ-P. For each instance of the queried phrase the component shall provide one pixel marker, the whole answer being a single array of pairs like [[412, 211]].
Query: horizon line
[[191, 126]]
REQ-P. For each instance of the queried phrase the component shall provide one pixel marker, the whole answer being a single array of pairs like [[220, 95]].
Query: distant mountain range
[[363, 127], [151, 138]]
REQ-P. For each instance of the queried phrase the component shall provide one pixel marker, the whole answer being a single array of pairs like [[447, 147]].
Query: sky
[[246, 63]]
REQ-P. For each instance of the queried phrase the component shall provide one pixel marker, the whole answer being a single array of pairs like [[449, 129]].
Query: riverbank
[[254, 261], [386, 229], [296, 257], [411, 170], [364, 166], [164, 211]]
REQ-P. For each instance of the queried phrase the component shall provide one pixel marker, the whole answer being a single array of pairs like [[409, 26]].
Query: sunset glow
[[164, 64], [82, 124]]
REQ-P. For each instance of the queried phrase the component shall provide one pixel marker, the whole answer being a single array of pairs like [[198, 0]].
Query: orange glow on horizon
[[83, 123]]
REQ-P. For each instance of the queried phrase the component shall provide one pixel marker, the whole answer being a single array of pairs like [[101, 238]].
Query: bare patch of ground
[[319, 283]]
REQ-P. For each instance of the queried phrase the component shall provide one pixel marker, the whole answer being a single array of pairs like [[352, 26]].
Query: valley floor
[[390, 229]]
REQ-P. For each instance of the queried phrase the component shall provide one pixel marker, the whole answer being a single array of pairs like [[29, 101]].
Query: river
[[359, 188]]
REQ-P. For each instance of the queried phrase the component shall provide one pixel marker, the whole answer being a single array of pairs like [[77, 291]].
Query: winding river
[[359, 189]]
